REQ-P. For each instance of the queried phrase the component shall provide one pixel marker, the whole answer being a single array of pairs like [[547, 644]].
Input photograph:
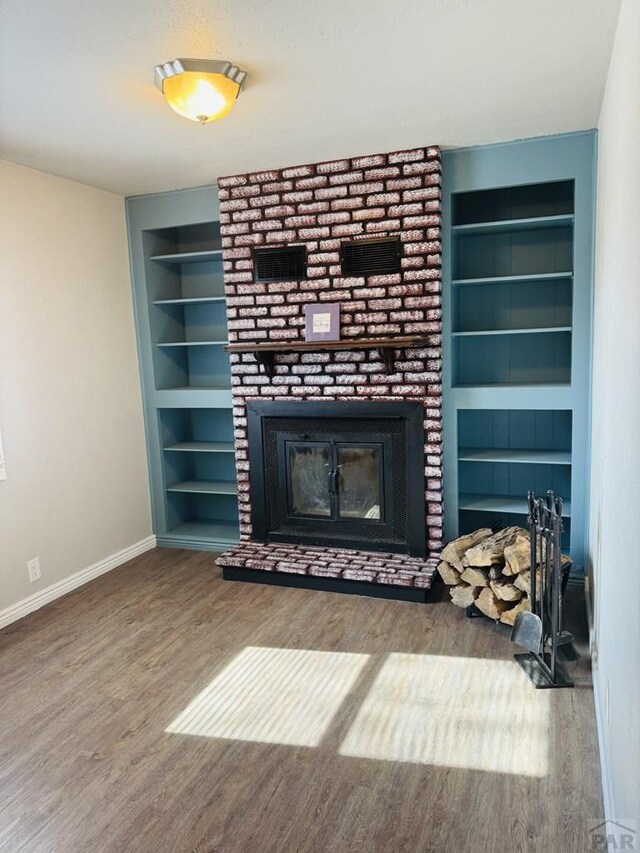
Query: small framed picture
[[322, 322]]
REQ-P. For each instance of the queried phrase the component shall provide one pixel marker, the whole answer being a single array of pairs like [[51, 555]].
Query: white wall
[[70, 404], [615, 486]]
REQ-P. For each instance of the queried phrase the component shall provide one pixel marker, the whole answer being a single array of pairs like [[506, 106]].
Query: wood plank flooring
[[89, 684]]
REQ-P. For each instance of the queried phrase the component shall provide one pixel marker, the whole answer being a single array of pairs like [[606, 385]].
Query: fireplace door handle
[[333, 482]]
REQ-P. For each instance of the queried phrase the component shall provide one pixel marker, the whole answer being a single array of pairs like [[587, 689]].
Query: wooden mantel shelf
[[265, 354]]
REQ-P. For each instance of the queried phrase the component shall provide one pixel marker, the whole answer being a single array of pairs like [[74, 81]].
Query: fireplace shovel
[[527, 631]]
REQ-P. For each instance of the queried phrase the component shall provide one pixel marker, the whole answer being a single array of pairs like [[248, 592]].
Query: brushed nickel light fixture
[[200, 89]]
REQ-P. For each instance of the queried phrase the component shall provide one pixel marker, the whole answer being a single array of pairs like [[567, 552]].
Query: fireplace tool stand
[[540, 630]]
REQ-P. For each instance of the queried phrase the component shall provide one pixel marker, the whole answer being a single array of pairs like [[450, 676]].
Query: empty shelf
[[534, 223], [189, 257], [537, 457], [193, 344], [514, 279], [191, 300], [197, 388], [205, 487], [501, 503], [532, 331], [202, 447], [194, 397], [503, 386], [216, 531]]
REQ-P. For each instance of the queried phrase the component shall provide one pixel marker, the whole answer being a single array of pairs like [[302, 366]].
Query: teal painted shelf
[[193, 300], [211, 397], [201, 447], [189, 257], [533, 331], [204, 487], [211, 529], [527, 457], [201, 534], [511, 386], [502, 226], [502, 503], [192, 343], [512, 279], [188, 389]]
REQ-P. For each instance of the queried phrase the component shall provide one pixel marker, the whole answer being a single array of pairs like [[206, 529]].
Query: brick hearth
[[370, 566], [318, 206]]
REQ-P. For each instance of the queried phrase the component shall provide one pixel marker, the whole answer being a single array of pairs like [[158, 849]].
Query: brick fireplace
[[319, 206]]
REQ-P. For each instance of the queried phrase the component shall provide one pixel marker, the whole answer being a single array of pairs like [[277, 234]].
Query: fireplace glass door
[[339, 481], [359, 481], [309, 467]]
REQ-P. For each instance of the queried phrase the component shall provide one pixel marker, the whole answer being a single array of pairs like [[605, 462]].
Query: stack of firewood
[[490, 570]]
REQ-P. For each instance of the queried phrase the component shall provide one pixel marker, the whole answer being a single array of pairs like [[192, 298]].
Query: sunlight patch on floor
[[469, 713], [285, 696]]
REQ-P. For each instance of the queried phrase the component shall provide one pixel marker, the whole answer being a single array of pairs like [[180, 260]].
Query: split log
[[448, 574], [517, 557], [523, 582], [456, 549], [489, 604], [475, 577], [491, 549], [505, 590], [464, 595], [508, 617]]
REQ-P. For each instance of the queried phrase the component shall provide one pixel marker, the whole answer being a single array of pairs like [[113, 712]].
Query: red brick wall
[[319, 205]]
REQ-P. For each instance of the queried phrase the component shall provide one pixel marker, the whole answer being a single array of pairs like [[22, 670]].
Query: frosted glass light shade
[[200, 89]]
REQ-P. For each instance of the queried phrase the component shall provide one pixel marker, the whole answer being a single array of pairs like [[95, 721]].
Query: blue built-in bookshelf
[[181, 320], [518, 283]]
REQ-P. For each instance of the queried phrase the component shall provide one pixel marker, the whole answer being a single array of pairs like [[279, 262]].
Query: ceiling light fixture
[[200, 89]]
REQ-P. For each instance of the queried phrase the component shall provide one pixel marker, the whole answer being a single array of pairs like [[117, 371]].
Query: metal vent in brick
[[375, 255], [286, 263]]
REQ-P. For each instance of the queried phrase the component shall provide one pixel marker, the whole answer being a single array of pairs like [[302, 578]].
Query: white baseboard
[[607, 796], [50, 593]]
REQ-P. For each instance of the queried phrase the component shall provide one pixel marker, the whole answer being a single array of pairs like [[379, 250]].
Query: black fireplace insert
[[344, 474]]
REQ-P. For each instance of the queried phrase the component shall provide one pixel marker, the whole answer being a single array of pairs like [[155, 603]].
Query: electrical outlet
[[33, 567]]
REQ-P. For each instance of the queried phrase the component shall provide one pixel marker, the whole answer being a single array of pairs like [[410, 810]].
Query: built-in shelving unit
[[517, 302], [176, 261]]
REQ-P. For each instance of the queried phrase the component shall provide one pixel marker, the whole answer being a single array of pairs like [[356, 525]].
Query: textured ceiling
[[327, 78]]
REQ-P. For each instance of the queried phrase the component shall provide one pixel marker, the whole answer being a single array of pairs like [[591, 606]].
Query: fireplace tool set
[[540, 629]]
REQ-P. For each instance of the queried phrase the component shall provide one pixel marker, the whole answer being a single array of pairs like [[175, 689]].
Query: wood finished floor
[[89, 684]]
